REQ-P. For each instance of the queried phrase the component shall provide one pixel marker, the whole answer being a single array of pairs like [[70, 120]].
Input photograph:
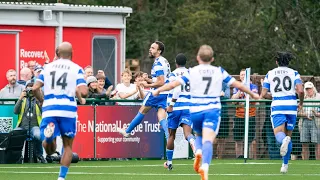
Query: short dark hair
[[283, 58], [181, 59], [160, 46]]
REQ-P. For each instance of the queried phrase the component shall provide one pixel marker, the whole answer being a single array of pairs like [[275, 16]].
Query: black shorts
[[239, 129]]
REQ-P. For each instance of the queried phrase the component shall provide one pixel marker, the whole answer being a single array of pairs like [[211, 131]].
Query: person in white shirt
[[127, 90]]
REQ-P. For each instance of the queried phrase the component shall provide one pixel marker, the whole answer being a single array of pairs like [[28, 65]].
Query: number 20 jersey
[[60, 79], [281, 82], [206, 86]]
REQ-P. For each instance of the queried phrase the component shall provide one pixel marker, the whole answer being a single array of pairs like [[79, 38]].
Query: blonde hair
[[126, 71], [205, 53]]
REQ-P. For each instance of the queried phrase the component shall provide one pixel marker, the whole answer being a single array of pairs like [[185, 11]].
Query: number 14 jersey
[[205, 86], [281, 82], [60, 79]]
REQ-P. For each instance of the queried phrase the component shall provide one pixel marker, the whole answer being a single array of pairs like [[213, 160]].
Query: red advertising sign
[[84, 141], [146, 140]]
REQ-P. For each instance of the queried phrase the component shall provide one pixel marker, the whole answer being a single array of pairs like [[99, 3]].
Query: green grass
[[153, 169]]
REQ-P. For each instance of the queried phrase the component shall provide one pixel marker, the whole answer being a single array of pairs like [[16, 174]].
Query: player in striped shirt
[[205, 107], [283, 83], [160, 75], [62, 80], [178, 110]]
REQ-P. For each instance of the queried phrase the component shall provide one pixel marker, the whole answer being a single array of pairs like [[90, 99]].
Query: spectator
[[92, 83], [224, 124], [126, 90], [309, 122], [239, 120], [88, 71], [107, 83], [30, 121], [31, 66], [13, 89], [138, 79], [25, 75]]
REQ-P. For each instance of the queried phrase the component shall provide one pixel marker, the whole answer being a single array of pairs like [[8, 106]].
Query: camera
[[29, 92]]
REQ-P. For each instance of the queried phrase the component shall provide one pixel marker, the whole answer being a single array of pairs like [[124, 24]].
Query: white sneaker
[[284, 168], [123, 132], [284, 146], [60, 178], [49, 130]]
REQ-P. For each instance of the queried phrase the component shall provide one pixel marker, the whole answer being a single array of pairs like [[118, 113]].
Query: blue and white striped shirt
[[206, 86], [181, 93], [60, 79], [160, 67], [281, 82]]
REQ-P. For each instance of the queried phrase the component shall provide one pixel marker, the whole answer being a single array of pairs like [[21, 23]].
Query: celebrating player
[[205, 88], [178, 110], [283, 82], [160, 75], [62, 80]]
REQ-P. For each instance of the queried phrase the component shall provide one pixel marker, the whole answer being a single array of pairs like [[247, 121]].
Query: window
[[104, 56]]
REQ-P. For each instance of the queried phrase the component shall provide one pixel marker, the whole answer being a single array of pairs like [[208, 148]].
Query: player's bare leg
[[187, 131], [66, 157], [135, 122], [170, 148], [283, 136], [162, 117]]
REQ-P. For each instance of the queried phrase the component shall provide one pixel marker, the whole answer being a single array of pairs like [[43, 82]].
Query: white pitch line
[[142, 165], [151, 174]]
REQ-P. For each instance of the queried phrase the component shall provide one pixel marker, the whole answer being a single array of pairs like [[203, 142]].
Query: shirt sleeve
[[80, 78], [266, 83], [184, 79], [297, 78], [41, 77], [172, 77], [226, 77]]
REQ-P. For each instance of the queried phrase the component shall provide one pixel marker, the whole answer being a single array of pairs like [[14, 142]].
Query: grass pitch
[[153, 170]]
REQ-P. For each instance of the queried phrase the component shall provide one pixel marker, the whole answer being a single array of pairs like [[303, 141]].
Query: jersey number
[[286, 80], [62, 81], [185, 87], [209, 79]]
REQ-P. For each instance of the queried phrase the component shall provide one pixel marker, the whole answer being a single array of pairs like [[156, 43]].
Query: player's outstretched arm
[[264, 94], [167, 87], [243, 88], [300, 92]]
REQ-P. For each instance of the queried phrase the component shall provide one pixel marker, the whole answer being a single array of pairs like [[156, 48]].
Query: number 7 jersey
[[206, 86], [60, 80], [281, 82]]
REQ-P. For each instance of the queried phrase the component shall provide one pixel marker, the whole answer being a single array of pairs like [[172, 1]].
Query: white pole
[[247, 82]]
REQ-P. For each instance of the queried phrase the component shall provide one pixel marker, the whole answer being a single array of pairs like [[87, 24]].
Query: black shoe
[[42, 160]]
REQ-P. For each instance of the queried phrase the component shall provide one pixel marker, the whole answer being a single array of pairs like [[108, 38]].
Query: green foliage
[[242, 33]]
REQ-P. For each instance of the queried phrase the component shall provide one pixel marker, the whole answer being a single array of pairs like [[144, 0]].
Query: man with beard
[[13, 89], [160, 75]]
